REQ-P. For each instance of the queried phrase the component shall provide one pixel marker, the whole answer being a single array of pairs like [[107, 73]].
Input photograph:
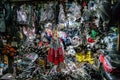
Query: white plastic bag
[[75, 9], [30, 33], [61, 16], [43, 15], [50, 12], [21, 15]]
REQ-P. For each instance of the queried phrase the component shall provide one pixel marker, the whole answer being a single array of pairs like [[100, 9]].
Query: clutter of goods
[[55, 40]]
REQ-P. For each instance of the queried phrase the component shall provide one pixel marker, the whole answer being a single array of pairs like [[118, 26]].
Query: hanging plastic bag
[[103, 10], [21, 15], [77, 12], [75, 9], [30, 33], [90, 4], [50, 12], [61, 16], [45, 13]]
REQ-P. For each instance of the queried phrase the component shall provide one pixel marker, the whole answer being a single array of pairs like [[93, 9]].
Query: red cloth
[[56, 56], [61, 54], [90, 40]]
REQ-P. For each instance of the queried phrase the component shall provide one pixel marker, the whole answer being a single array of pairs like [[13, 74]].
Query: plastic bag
[[93, 34], [50, 12], [62, 35], [43, 15], [111, 41], [103, 10], [75, 10], [90, 4], [61, 16], [30, 33], [21, 15], [71, 51]]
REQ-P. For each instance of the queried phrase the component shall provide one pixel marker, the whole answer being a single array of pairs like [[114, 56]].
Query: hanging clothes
[[56, 52]]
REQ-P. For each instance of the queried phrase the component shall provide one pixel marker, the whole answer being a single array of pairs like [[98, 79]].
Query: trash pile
[[55, 40]]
